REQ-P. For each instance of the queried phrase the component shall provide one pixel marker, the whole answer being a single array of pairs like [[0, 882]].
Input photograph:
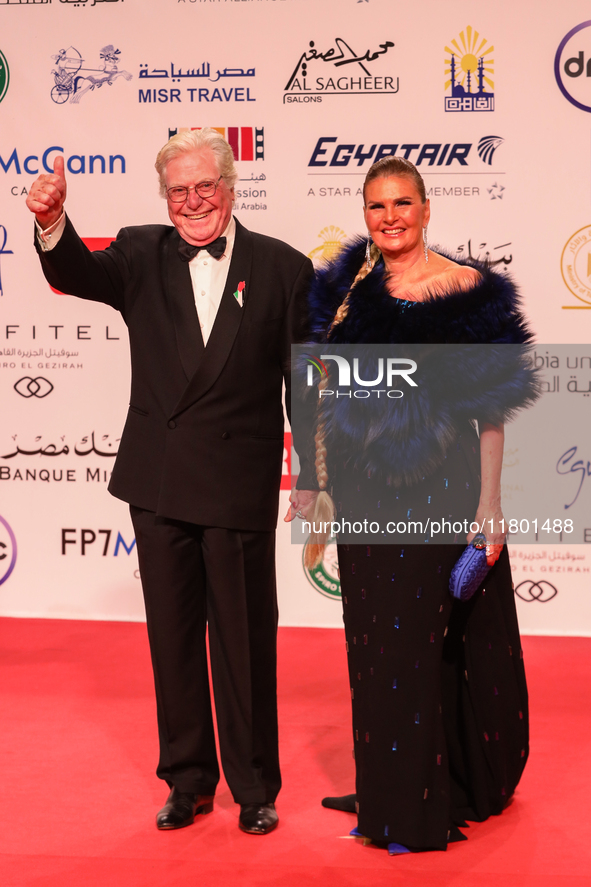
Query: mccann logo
[[76, 164]]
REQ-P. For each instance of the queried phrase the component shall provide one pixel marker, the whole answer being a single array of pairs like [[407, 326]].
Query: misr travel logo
[[575, 266], [7, 550], [572, 66], [468, 73], [246, 142], [200, 84], [325, 577], [4, 75], [332, 242], [335, 67], [74, 76]]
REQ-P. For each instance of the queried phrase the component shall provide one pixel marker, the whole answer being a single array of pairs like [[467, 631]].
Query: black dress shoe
[[181, 808], [346, 803], [258, 819]]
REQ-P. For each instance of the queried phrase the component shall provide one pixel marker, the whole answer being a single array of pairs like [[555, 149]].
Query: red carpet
[[78, 796]]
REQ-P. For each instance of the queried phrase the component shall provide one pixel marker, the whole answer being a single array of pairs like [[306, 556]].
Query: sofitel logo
[[28, 387], [469, 66], [320, 73], [541, 591]]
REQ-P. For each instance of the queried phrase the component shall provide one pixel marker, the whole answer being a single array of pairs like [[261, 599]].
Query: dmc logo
[[7, 550], [541, 591], [28, 387], [395, 366], [325, 577], [72, 80], [337, 78], [572, 66], [4, 75], [246, 142], [469, 67], [487, 147]]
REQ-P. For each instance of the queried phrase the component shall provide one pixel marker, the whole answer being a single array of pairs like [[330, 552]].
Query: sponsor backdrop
[[495, 110]]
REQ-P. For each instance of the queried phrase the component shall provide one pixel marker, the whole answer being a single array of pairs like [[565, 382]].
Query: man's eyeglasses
[[179, 194]]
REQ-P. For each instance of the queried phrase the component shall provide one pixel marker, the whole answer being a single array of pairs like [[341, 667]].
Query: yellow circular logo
[[575, 264]]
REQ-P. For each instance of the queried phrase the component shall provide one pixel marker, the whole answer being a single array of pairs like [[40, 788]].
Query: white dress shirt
[[208, 275]]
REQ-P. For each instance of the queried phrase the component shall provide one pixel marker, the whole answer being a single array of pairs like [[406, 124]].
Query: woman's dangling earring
[[368, 252], [425, 243]]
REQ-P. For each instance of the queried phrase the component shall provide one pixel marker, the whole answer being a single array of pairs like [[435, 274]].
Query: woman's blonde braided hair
[[324, 508]]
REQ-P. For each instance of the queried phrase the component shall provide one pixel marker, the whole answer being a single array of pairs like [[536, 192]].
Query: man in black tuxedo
[[212, 310]]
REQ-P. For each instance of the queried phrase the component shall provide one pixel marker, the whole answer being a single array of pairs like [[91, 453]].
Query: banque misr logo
[[468, 73], [4, 75]]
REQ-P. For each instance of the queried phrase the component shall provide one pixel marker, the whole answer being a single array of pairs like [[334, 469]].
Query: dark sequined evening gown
[[438, 688]]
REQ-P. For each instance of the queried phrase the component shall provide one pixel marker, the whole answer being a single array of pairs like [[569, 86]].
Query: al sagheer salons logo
[[575, 265], [468, 73], [325, 577], [4, 75]]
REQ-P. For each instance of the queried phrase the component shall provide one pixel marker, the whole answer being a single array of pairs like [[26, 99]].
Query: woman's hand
[[302, 504], [491, 519]]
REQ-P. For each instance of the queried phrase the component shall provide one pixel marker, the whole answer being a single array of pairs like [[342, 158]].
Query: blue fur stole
[[407, 438]]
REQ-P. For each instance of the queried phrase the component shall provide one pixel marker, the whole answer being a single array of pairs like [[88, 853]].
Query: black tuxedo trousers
[[200, 465]]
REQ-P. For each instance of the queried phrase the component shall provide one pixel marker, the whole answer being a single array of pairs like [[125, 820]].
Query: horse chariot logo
[[72, 80]]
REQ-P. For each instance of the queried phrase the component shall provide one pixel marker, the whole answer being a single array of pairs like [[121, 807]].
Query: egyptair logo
[[487, 147]]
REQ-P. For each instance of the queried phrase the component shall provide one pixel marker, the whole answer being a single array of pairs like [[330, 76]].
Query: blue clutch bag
[[469, 570]]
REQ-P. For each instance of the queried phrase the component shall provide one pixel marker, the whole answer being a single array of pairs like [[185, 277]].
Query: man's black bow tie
[[216, 248]]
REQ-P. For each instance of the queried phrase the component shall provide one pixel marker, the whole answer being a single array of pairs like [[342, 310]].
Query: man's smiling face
[[199, 220]]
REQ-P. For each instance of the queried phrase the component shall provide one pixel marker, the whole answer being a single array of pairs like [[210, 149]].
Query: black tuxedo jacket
[[203, 440]]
